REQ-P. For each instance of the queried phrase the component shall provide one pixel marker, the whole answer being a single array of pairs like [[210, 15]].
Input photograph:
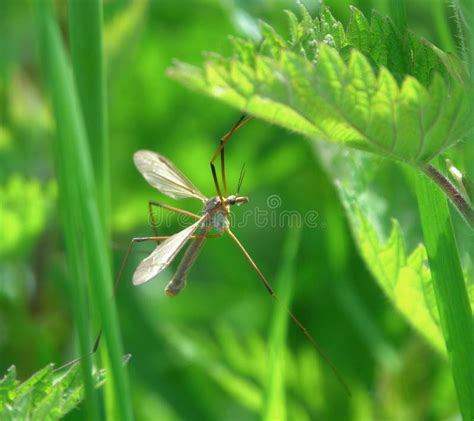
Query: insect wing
[[163, 255], [164, 176]]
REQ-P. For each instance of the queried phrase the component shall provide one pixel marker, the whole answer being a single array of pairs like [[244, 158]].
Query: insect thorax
[[219, 219], [219, 216]]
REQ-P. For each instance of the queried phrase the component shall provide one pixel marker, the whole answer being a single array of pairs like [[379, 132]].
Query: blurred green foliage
[[23, 222], [203, 355]]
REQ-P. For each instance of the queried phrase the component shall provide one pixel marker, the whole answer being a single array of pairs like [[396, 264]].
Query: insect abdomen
[[178, 282]]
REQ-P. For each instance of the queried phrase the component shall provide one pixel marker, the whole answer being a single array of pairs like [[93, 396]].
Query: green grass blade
[[86, 40], [76, 290], [274, 401], [448, 281], [88, 68], [469, 144], [450, 290], [77, 178]]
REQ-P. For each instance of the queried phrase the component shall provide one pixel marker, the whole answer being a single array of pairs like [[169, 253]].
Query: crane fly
[[163, 175]]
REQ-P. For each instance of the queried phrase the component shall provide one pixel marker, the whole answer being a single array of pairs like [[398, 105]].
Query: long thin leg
[[223, 178], [152, 203], [292, 316], [119, 276], [220, 151], [124, 264]]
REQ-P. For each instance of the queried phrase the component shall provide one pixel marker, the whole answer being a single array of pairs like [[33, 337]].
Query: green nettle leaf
[[47, 394], [366, 87], [404, 276], [7, 388], [406, 280], [38, 385]]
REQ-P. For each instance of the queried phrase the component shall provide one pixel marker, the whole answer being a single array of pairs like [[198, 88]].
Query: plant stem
[[452, 192]]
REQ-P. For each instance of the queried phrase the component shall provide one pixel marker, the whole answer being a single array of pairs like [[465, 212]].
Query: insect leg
[[124, 264], [292, 316], [152, 203], [220, 151], [119, 277]]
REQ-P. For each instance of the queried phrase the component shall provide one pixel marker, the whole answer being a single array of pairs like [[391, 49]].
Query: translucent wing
[[164, 176], [163, 255]]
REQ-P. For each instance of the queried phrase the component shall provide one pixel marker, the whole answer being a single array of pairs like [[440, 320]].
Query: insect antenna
[[241, 178]]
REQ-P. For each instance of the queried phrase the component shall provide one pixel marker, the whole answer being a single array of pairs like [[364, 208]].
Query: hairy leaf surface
[[366, 86]]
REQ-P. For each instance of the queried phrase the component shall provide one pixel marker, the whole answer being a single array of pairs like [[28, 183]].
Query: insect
[[163, 175]]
